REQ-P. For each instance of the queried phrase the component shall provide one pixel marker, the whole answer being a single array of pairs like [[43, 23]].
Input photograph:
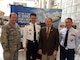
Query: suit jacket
[[50, 44]]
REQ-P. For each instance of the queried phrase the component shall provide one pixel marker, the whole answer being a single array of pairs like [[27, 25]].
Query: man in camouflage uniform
[[10, 38]]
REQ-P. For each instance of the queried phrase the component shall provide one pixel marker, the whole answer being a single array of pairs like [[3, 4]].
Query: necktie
[[34, 33], [47, 32], [66, 37]]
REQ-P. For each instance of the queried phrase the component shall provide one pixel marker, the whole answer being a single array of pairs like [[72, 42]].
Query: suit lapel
[[44, 31], [51, 31]]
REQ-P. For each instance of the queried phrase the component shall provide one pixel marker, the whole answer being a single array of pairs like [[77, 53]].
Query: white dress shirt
[[28, 33], [73, 38]]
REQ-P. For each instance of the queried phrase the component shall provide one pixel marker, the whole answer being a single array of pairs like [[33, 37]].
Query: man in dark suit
[[49, 41]]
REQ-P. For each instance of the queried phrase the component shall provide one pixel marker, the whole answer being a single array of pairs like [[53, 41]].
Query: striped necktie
[[47, 32]]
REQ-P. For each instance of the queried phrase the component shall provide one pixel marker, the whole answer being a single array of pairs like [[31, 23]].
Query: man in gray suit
[[49, 41]]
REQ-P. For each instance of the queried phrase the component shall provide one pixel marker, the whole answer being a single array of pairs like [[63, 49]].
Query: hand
[[25, 49], [40, 51], [8, 54], [54, 53]]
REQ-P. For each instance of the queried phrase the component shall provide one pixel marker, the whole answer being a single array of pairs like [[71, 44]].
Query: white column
[[43, 3], [36, 3], [48, 5], [39, 4]]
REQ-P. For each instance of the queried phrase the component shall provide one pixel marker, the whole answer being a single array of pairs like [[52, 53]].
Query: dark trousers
[[69, 54], [32, 51]]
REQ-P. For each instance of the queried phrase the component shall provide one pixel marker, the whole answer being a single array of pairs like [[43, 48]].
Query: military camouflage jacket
[[10, 37]]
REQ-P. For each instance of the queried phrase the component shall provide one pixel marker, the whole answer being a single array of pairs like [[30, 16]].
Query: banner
[[42, 14]]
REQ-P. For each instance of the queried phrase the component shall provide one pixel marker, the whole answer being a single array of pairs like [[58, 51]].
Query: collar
[[69, 28], [48, 27], [33, 24], [14, 25]]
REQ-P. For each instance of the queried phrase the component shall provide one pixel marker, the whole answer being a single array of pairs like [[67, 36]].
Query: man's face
[[33, 19], [48, 23], [68, 23], [13, 18]]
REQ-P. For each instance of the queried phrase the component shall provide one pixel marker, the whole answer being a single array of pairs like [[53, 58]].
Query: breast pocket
[[30, 32], [72, 37], [12, 32], [62, 36]]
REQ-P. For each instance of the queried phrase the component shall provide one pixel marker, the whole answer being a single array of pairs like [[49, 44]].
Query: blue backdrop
[[42, 14]]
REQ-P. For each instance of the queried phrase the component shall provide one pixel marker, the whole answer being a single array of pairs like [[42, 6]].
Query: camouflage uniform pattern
[[10, 40]]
